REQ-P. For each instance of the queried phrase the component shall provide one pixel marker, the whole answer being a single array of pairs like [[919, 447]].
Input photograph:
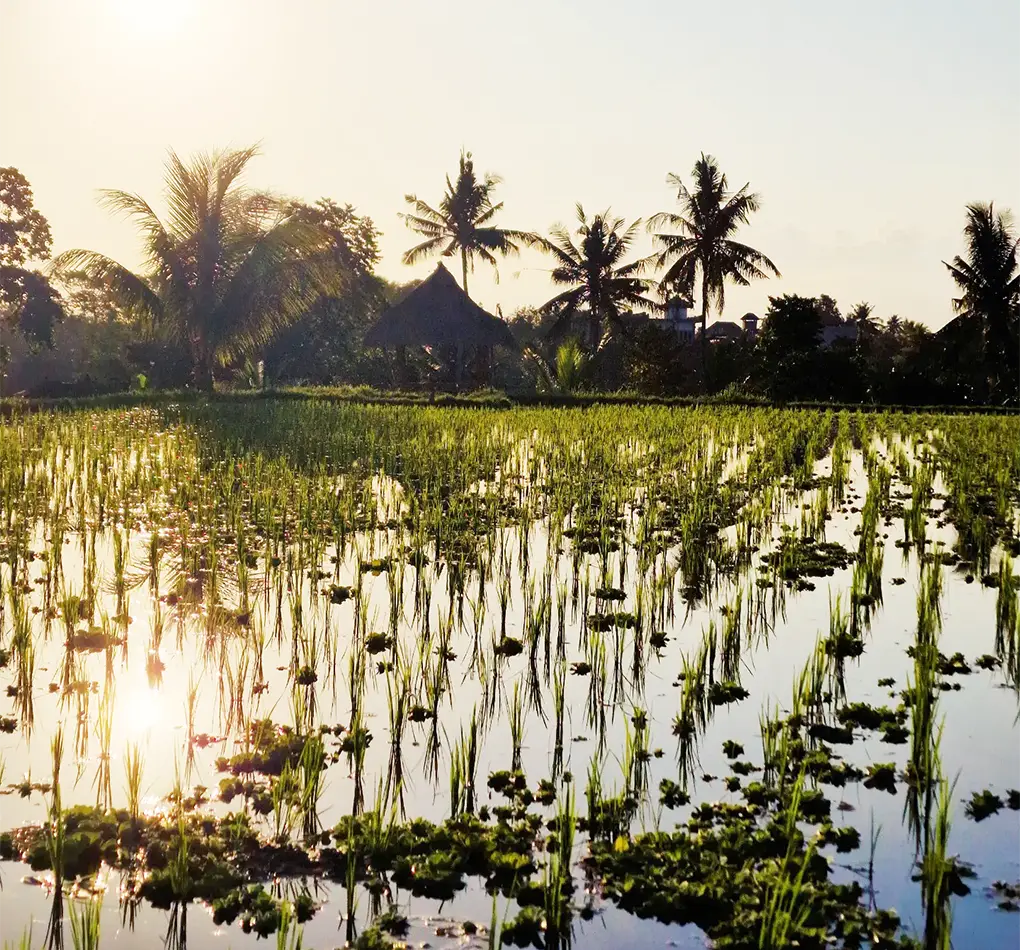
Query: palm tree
[[703, 251], [227, 270], [863, 314], [600, 285], [462, 224], [990, 298]]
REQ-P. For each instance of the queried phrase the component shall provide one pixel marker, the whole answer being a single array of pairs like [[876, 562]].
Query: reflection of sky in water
[[979, 746]]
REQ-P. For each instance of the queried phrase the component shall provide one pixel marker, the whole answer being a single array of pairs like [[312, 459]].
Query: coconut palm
[[462, 224], [703, 251], [600, 284], [225, 270], [990, 298], [868, 325]]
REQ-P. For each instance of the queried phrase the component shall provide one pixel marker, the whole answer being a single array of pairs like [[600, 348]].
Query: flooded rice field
[[340, 676]]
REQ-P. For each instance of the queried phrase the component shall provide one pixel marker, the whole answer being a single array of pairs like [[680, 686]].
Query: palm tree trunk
[[202, 371], [704, 329], [402, 370], [458, 370]]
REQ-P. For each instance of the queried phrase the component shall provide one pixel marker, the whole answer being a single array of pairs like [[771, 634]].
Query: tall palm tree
[[462, 224], [703, 250], [600, 285], [990, 298], [226, 270]]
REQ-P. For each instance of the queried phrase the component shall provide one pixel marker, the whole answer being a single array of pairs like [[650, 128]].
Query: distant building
[[678, 319], [838, 332], [675, 320], [728, 331], [723, 330]]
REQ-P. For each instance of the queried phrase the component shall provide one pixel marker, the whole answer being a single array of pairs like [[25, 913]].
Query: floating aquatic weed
[[881, 776], [722, 694], [983, 804]]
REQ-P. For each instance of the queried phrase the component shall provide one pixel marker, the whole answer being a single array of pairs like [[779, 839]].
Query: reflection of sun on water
[[141, 711]]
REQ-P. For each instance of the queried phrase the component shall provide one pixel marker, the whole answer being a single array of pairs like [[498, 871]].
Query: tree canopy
[[700, 250], [989, 302], [463, 224], [28, 301], [601, 284], [325, 342], [227, 269]]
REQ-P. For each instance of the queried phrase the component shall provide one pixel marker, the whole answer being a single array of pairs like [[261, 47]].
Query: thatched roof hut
[[437, 313]]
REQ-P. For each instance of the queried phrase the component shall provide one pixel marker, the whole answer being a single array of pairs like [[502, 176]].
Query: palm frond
[[128, 290], [421, 251]]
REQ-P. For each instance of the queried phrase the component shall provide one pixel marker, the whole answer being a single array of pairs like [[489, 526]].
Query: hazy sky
[[866, 127]]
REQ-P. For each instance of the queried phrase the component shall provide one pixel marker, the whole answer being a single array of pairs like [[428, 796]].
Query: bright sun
[[152, 16]]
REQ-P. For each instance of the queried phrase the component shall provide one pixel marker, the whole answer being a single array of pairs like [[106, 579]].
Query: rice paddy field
[[374, 676]]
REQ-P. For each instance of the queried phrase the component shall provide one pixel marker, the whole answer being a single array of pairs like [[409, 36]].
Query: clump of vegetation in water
[[715, 872], [272, 748], [258, 910], [795, 558], [881, 776], [722, 694], [1007, 896], [983, 805]]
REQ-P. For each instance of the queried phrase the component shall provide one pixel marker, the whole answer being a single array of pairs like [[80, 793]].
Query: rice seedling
[[104, 731], [85, 921], [133, 766], [516, 720], [785, 911]]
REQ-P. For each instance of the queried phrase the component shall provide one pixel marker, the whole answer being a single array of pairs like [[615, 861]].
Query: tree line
[[238, 284]]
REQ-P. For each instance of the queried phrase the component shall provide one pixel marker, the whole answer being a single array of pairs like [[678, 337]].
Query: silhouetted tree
[[703, 252], [863, 314], [990, 295], [788, 346], [28, 302], [600, 283], [228, 269], [463, 223], [324, 343]]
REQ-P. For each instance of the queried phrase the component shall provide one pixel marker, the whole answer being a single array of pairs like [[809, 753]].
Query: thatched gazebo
[[438, 313]]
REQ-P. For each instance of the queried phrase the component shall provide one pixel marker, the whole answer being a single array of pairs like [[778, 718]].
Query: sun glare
[[142, 709], [152, 16]]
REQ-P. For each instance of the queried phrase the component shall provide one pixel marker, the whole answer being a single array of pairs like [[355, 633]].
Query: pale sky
[[866, 127]]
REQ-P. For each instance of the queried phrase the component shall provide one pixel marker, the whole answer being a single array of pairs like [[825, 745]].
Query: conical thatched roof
[[435, 313]]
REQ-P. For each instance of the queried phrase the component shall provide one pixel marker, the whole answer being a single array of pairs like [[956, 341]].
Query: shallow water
[[550, 587]]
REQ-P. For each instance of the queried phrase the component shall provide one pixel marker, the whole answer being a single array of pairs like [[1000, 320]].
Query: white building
[[678, 319]]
